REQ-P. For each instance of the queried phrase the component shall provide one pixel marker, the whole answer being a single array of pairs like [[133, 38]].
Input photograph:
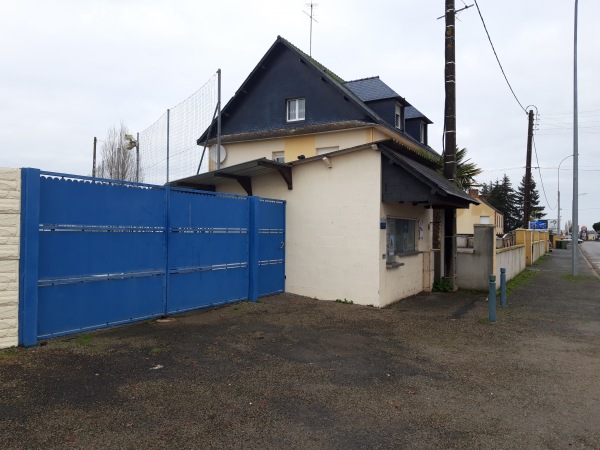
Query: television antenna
[[312, 19]]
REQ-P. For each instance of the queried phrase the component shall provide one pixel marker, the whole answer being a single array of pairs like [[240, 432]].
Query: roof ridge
[[316, 63], [363, 79]]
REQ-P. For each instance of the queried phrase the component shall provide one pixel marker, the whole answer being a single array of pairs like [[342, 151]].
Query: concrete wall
[[333, 235], [474, 266], [416, 272], [512, 259], [10, 227]]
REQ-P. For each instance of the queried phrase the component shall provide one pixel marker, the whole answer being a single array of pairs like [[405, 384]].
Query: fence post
[[253, 234], [29, 257], [492, 299], [503, 287]]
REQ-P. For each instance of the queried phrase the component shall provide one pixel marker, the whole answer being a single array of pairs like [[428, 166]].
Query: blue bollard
[[492, 299], [503, 287]]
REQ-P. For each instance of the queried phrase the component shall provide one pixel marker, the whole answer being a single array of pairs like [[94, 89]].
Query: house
[[482, 213], [352, 162]]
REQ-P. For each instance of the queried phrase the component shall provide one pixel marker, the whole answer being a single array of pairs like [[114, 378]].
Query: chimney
[[474, 193]]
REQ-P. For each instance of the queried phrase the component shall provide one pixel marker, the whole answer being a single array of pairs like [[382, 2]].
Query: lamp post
[[558, 176]]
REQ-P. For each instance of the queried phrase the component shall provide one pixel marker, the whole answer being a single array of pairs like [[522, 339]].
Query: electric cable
[[498, 59]]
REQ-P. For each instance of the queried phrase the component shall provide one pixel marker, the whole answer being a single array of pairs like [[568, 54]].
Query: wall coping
[[508, 249]]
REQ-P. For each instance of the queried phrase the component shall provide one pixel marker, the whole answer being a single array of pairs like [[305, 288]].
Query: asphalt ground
[[294, 372]]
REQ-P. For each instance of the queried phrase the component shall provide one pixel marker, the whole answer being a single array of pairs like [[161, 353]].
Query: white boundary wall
[[10, 230]]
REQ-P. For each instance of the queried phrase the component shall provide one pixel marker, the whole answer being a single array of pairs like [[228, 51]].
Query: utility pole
[[450, 143], [527, 197]]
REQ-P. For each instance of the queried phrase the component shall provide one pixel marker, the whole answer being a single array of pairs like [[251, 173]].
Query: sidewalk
[[297, 373]]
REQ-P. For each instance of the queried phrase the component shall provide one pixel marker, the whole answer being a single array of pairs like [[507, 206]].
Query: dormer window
[[399, 117], [295, 109], [423, 133]]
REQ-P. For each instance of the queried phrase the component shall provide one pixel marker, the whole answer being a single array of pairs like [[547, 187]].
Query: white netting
[[185, 123]]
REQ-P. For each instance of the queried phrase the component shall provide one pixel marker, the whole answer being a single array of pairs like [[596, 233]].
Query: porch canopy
[[410, 178]]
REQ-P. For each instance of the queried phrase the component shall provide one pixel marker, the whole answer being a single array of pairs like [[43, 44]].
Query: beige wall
[[297, 145], [466, 218], [332, 238], [416, 273], [10, 226]]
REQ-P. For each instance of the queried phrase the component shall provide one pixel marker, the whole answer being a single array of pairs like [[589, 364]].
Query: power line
[[540, 173], [498, 59]]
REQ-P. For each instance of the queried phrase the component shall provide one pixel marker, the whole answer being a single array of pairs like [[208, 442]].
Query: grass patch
[[520, 280], [85, 340], [345, 302], [9, 354], [539, 260], [577, 278]]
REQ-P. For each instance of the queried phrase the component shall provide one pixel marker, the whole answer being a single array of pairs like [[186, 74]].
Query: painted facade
[[334, 142], [483, 213]]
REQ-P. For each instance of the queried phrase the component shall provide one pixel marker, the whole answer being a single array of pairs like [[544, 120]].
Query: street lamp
[[574, 267], [558, 176]]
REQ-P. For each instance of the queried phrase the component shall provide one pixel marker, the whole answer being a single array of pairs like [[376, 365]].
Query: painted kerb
[[10, 219]]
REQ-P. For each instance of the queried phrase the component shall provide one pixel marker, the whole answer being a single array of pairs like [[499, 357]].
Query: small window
[[295, 109], [399, 116], [401, 237], [423, 133], [279, 157], [484, 220]]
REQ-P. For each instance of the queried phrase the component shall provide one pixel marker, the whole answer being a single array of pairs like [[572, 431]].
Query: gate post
[[29, 258], [253, 233]]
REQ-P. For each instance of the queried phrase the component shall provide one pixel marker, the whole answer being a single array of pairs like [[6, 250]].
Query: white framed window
[[279, 157], [484, 220], [324, 150], [399, 117], [295, 109], [401, 237]]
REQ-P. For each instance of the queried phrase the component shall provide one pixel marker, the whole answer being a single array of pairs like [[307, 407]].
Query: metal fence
[[167, 148], [98, 253]]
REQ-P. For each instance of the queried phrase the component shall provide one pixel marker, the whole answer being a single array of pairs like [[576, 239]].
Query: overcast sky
[[71, 69]]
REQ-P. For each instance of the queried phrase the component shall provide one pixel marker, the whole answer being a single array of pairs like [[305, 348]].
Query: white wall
[[416, 274], [332, 241], [512, 259], [10, 226]]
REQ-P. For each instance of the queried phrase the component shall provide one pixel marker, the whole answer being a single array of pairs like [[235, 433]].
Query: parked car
[[568, 239]]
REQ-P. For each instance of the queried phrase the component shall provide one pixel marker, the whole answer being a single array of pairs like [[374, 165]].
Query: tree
[[118, 160], [596, 227], [501, 196], [536, 211], [466, 171]]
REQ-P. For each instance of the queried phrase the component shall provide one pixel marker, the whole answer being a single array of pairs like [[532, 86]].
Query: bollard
[[492, 299], [503, 287]]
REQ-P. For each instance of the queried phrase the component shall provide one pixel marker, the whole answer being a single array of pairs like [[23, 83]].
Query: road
[[591, 250]]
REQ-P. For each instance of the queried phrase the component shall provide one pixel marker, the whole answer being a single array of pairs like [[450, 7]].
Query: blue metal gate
[[98, 253]]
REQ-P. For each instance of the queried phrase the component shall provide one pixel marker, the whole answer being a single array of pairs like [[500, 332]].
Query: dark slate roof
[[410, 112], [369, 89], [427, 174], [337, 82]]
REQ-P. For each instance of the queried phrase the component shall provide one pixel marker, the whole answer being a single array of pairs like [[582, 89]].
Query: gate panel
[[102, 254], [97, 253], [208, 249], [271, 246]]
